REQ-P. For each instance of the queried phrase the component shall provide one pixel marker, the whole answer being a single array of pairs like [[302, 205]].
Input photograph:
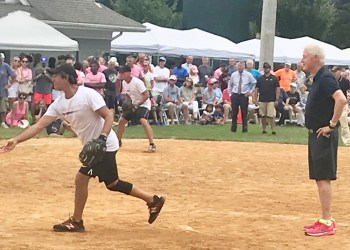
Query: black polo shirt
[[320, 103], [267, 88]]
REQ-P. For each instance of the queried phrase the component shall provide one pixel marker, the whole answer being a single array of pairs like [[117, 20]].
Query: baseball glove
[[93, 151], [128, 107]]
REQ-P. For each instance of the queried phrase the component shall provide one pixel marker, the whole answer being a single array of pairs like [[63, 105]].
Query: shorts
[[166, 106], [46, 97], [106, 170], [3, 104], [141, 112], [267, 109], [323, 156]]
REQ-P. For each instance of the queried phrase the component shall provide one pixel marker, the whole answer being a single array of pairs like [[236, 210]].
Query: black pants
[[284, 114], [236, 102]]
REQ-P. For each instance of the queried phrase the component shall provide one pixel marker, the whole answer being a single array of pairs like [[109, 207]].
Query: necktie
[[240, 84]]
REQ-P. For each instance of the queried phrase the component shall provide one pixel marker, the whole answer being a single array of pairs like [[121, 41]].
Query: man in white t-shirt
[[134, 89], [89, 117], [161, 76]]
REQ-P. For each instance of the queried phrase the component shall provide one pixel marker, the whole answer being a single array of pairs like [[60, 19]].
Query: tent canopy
[[196, 42], [20, 31], [292, 50]]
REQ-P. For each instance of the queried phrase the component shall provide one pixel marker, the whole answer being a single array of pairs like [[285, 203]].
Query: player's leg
[[121, 127], [142, 115]]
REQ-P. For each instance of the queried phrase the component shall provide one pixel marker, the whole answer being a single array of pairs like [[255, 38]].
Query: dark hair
[[22, 94], [223, 65], [52, 62], [209, 106], [78, 66], [219, 106], [70, 57], [94, 62]]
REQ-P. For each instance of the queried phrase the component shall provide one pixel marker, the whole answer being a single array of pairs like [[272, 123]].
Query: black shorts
[[323, 156], [106, 170], [139, 113], [110, 99]]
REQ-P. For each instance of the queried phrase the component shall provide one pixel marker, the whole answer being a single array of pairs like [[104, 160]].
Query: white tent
[[196, 42], [292, 50], [347, 51], [20, 31], [281, 49]]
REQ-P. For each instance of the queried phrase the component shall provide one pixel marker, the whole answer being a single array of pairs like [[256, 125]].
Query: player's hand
[[324, 131], [11, 144]]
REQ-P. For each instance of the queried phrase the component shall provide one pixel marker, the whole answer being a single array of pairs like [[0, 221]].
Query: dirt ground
[[220, 195]]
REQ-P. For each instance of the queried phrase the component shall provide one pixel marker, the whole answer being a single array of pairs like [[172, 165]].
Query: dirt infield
[[220, 195]]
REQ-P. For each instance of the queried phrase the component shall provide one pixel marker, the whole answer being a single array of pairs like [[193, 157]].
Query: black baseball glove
[[93, 151], [128, 107]]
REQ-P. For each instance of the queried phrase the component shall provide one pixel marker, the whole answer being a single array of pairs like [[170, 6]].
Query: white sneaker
[[3, 125], [152, 148]]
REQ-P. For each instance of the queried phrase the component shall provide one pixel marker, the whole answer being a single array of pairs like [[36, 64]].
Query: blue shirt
[[172, 92], [211, 97], [5, 73], [248, 83], [181, 75], [232, 69], [254, 72], [218, 94]]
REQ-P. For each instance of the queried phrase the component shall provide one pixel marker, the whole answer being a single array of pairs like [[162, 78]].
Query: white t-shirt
[[148, 77], [79, 111], [134, 89], [160, 72]]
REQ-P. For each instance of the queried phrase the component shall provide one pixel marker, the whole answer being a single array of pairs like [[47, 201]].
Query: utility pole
[[268, 28]]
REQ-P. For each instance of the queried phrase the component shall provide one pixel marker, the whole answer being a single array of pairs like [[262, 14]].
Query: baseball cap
[[293, 84], [66, 69], [162, 58], [173, 77], [212, 81], [194, 68], [124, 68], [2, 56], [43, 60], [266, 65], [288, 63]]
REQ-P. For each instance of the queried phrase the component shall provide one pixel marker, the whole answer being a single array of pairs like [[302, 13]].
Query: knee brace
[[121, 186]]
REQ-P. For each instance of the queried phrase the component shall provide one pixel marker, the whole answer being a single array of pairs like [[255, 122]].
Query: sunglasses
[[22, 97], [16, 60], [24, 61]]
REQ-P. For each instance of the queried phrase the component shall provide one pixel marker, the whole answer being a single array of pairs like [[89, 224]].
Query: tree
[[164, 13], [339, 35]]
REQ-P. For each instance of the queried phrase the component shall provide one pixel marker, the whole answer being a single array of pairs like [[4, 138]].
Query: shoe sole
[[68, 231], [160, 209], [320, 234]]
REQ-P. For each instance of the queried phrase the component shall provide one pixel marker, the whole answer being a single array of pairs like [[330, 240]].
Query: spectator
[[172, 100], [240, 88], [226, 104], [209, 96], [19, 111], [161, 77], [188, 97], [78, 69], [40, 110], [232, 66], [301, 76], [283, 107], [205, 72], [52, 63], [148, 76], [303, 96], [102, 64], [111, 80], [294, 105], [207, 116], [85, 65], [267, 91], [43, 84], [135, 69], [218, 92], [180, 73], [224, 79], [156, 110], [219, 71], [95, 80], [13, 89], [25, 84], [250, 68], [218, 115], [286, 76], [188, 63]]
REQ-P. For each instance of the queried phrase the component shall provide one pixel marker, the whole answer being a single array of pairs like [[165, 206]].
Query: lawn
[[288, 134]]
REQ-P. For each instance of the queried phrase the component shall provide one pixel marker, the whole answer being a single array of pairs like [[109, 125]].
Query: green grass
[[288, 134]]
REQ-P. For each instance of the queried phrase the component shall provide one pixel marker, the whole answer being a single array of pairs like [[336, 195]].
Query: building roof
[[82, 13]]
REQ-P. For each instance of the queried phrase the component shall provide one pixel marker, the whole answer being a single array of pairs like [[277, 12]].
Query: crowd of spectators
[[181, 92]]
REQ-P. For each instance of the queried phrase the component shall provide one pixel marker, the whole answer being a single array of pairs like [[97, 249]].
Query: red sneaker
[[315, 224], [320, 229]]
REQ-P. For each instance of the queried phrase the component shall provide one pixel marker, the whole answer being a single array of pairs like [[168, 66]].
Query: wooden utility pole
[[268, 28]]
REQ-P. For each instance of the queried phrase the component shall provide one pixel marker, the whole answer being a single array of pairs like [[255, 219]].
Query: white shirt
[[160, 72], [148, 77], [134, 89], [79, 111]]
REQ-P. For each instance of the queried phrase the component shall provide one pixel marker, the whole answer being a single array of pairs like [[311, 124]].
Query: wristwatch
[[332, 125]]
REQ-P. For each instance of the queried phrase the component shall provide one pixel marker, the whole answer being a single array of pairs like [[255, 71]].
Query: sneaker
[[320, 229], [3, 125], [315, 224], [155, 207], [70, 225], [264, 132], [152, 148], [273, 132]]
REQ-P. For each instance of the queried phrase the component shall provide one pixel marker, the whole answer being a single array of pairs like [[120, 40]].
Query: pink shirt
[[100, 69], [81, 77], [137, 71], [98, 78], [27, 74], [217, 73]]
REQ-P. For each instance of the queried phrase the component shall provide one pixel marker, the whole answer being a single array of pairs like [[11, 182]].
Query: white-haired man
[[322, 112]]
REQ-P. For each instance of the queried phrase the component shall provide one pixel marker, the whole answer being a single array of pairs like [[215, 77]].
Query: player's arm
[[28, 133], [107, 115]]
